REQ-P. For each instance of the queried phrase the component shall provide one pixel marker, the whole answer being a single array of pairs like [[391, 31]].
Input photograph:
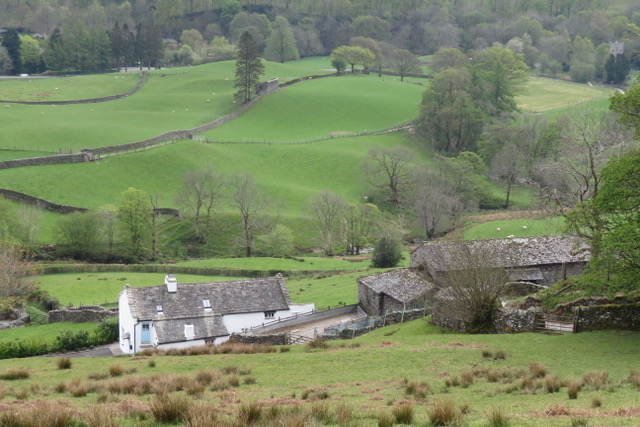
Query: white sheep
[[498, 229], [510, 236], [524, 227]]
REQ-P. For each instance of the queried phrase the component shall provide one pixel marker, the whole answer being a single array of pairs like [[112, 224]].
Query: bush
[[70, 341], [64, 363], [443, 413], [107, 331], [403, 414], [169, 409], [387, 253]]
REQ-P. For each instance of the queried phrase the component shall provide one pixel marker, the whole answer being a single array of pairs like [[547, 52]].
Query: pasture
[[518, 227], [333, 283], [413, 364], [53, 89], [324, 108], [544, 94]]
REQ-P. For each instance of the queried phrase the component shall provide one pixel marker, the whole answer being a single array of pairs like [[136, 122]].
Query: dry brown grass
[[538, 370], [444, 413], [596, 379], [208, 349], [101, 416], [38, 414]]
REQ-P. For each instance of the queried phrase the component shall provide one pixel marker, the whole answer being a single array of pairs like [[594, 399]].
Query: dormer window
[[159, 309], [207, 304]]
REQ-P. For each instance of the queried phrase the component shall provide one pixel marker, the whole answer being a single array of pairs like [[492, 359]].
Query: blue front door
[[145, 337]]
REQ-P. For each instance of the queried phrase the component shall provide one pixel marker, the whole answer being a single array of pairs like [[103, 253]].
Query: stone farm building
[[393, 290], [542, 260], [190, 314]]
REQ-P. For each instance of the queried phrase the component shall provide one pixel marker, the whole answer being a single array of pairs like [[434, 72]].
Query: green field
[[544, 94], [53, 89], [514, 227], [372, 375], [48, 331]]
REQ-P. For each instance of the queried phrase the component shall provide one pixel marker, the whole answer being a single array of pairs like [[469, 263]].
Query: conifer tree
[[249, 68]]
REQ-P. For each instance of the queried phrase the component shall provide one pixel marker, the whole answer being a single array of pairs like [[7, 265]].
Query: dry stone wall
[[82, 314]]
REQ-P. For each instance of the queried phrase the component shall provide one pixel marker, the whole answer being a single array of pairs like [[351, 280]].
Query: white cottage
[[190, 314]]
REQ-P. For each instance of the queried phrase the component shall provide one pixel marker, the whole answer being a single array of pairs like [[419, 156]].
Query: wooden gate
[[552, 324]]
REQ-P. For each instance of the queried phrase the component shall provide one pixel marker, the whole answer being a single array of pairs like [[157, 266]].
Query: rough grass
[[368, 379]]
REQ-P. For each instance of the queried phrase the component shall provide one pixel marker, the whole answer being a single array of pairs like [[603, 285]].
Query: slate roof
[[402, 284], [237, 296], [508, 253]]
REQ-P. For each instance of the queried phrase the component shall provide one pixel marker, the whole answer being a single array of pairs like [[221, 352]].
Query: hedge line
[[105, 333], [173, 269]]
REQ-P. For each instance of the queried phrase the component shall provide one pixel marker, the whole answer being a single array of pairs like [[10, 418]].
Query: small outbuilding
[[191, 314], [393, 290]]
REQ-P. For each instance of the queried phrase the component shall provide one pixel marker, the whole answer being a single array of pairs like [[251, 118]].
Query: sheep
[[498, 229], [524, 227], [510, 236]]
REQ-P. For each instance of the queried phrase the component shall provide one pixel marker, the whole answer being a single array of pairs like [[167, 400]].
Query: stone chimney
[[172, 283]]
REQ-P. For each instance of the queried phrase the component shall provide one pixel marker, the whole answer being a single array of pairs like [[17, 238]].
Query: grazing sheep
[[510, 236], [524, 227], [498, 229]]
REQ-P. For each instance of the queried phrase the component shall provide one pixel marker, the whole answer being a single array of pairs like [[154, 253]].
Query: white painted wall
[[238, 322], [302, 308], [126, 323]]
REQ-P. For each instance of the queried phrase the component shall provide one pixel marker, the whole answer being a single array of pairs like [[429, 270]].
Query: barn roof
[[507, 253], [402, 284]]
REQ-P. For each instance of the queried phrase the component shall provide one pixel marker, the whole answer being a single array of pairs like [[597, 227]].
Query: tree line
[[556, 37]]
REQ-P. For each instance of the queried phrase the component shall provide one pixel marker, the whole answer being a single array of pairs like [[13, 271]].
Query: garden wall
[[275, 339], [506, 321], [82, 314], [609, 316], [14, 320]]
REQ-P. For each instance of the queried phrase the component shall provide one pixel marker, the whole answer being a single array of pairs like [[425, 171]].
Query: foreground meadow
[[399, 373]]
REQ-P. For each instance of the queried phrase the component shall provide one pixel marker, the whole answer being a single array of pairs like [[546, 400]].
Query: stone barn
[[542, 260], [393, 290]]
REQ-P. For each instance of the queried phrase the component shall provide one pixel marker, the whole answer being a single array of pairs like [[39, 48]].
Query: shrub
[[14, 374], [634, 378], [116, 370], [487, 354], [249, 414], [596, 402], [596, 379], [202, 415], [500, 355], [552, 384], [249, 380], [344, 414], [70, 341], [284, 349], [443, 413], [537, 370], [385, 419], [106, 332], [497, 418], [387, 253], [320, 411], [64, 363], [577, 421], [403, 414], [318, 343], [573, 389], [101, 416], [169, 409], [418, 389], [151, 363], [234, 381], [466, 378]]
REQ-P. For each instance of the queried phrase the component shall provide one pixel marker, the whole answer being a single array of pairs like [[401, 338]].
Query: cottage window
[[269, 314]]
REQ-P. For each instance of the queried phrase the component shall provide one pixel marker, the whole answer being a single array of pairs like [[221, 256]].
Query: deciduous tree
[[405, 62], [135, 215], [281, 45], [202, 192], [327, 208], [389, 169], [354, 55], [253, 204], [15, 271]]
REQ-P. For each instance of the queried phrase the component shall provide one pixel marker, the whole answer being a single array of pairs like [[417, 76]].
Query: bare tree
[[472, 285], [108, 217], [29, 220], [253, 203], [590, 139], [436, 202], [359, 223], [327, 208], [389, 169], [15, 271], [201, 193]]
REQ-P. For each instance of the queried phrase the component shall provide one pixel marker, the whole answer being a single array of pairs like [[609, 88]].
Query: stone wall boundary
[[143, 79], [39, 203], [82, 314], [274, 339], [606, 317]]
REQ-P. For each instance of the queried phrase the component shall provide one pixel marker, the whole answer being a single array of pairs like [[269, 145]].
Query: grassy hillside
[[174, 99], [544, 94], [325, 107], [363, 380]]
